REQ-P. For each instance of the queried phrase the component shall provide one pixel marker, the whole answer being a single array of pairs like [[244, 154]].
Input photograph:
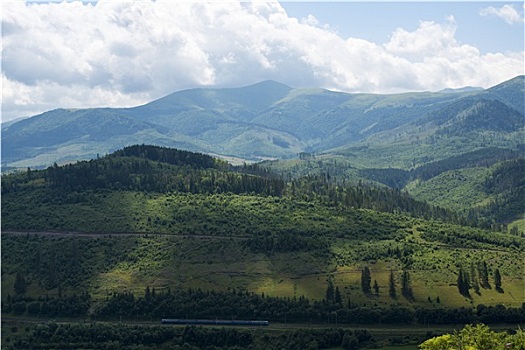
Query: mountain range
[[423, 193], [271, 120]]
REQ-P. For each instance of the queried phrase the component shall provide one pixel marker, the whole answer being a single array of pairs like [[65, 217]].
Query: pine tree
[[483, 275], [338, 298], [460, 282], [406, 285], [497, 281], [463, 282], [330, 291], [366, 278], [392, 285], [376, 288], [474, 278]]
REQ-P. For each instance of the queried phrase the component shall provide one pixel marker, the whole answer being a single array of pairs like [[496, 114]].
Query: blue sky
[[375, 21], [126, 53]]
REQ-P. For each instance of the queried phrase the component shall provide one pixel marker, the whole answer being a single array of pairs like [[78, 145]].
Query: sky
[[127, 53]]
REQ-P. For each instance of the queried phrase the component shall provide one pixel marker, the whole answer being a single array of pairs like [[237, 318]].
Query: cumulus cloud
[[507, 12], [71, 54]]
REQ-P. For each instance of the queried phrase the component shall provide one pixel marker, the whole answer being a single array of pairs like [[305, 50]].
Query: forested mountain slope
[[96, 233], [272, 120]]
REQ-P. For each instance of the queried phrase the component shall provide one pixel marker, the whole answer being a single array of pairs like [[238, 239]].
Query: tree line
[[162, 170], [94, 335], [475, 277], [323, 189], [236, 304]]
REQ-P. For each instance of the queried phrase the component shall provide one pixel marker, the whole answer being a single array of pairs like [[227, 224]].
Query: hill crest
[[259, 121]]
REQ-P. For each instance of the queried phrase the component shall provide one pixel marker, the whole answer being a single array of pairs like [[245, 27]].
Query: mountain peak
[[265, 119], [270, 84], [517, 81], [462, 89]]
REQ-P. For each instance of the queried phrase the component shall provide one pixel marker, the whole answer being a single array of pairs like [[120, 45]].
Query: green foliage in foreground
[[139, 337], [478, 337], [102, 335]]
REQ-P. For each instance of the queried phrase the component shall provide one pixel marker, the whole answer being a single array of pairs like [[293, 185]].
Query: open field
[[130, 262]]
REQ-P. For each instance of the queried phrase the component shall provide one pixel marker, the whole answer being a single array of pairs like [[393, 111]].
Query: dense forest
[[155, 305], [101, 335], [162, 170], [500, 192], [147, 168], [149, 232]]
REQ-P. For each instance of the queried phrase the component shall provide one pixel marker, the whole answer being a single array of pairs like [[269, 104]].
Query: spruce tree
[[366, 278], [474, 278], [463, 282], [406, 285], [337, 297], [497, 281], [483, 272], [376, 288], [330, 291], [392, 285]]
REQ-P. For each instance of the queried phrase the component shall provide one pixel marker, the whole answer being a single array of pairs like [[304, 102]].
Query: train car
[[214, 322]]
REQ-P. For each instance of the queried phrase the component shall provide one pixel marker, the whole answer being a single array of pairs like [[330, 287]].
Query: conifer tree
[[474, 280], [463, 282], [366, 278], [376, 288], [406, 285], [483, 275], [337, 297], [392, 285], [330, 291], [497, 281]]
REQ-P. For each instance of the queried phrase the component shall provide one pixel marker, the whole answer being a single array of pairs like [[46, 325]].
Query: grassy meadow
[[223, 263]]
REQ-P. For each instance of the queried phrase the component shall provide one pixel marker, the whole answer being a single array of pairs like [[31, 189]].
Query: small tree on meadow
[[497, 281], [392, 285], [366, 278], [406, 285], [376, 288]]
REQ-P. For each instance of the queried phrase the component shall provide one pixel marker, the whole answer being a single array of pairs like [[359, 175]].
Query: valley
[[415, 219], [156, 221]]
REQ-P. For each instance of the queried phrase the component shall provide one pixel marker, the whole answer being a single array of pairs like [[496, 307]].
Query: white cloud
[[507, 12], [117, 53]]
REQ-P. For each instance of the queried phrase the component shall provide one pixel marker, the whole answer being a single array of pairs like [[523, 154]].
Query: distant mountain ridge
[[261, 121]]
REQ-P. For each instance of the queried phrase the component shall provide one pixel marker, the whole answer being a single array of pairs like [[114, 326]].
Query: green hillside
[[270, 120], [497, 191], [179, 228]]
